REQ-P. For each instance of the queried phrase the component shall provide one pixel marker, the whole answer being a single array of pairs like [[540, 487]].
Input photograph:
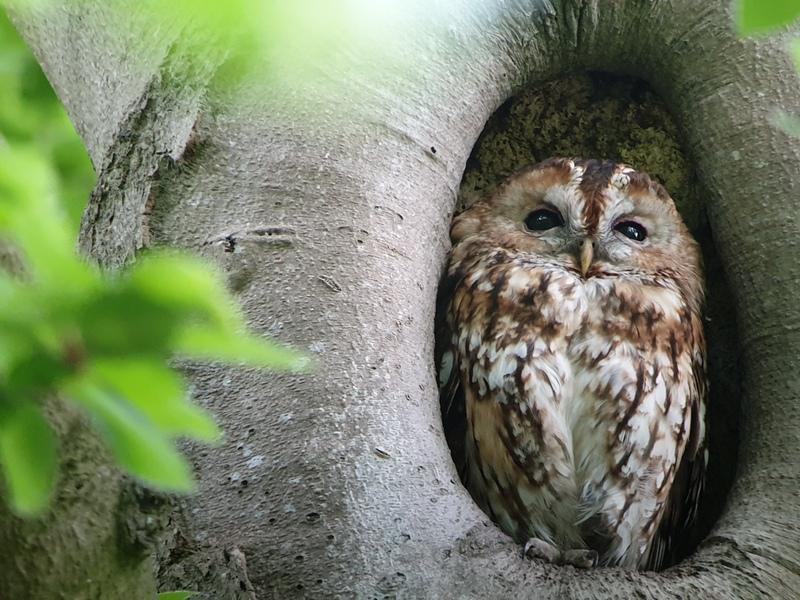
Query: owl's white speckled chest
[[582, 388]]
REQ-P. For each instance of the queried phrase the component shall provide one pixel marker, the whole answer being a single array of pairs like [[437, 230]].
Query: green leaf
[[789, 124], [158, 392], [187, 284], [180, 595], [17, 337], [31, 114], [761, 16], [34, 373], [135, 442], [121, 322], [27, 456], [794, 49], [237, 348], [31, 217]]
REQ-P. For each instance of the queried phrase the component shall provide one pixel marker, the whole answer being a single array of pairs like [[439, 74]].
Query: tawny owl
[[571, 346]]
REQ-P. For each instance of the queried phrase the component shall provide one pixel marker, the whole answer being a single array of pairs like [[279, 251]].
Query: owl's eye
[[543, 219], [632, 230]]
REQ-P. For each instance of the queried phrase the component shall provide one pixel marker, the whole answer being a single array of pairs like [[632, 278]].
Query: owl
[[572, 363]]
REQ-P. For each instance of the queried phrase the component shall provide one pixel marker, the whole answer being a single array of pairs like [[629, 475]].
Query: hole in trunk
[[598, 115]]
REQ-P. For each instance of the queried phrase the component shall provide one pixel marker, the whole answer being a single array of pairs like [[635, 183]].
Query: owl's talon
[[536, 548], [580, 558]]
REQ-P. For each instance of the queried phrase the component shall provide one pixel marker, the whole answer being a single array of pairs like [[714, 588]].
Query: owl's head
[[595, 218]]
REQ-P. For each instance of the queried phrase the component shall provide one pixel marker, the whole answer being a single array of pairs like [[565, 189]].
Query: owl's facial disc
[[593, 218]]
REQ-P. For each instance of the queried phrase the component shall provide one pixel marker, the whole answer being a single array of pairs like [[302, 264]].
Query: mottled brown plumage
[[572, 361]]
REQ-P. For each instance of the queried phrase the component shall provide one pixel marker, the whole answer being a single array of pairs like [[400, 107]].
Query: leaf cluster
[[31, 115], [103, 342]]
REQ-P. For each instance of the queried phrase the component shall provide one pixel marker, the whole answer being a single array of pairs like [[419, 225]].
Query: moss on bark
[[589, 115]]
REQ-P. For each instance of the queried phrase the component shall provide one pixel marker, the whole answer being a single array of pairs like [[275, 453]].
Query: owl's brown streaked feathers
[[572, 361]]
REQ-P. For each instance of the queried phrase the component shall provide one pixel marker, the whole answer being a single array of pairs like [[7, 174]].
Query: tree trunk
[[327, 200]]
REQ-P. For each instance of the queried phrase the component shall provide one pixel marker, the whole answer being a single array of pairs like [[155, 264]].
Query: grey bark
[[327, 200]]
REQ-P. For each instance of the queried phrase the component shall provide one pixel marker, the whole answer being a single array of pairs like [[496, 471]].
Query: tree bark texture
[[327, 200]]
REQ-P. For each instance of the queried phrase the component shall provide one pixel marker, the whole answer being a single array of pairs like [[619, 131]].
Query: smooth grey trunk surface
[[327, 201]]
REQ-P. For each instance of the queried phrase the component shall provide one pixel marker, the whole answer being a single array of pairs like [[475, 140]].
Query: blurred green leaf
[[181, 595], [27, 456], [238, 348], [31, 218], [35, 373], [32, 116], [121, 322], [787, 123], [102, 340], [136, 443], [187, 284], [158, 392], [762, 16], [794, 49]]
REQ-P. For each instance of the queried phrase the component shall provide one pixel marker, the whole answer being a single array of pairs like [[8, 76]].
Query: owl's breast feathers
[[582, 401]]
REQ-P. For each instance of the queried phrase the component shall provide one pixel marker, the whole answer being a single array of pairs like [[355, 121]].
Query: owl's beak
[[587, 254]]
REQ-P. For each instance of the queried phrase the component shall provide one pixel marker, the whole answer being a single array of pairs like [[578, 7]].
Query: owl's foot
[[536, 548], [580, 558]]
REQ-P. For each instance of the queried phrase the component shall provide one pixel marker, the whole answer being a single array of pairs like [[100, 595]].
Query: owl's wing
[[451, 393], [678, 530]]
